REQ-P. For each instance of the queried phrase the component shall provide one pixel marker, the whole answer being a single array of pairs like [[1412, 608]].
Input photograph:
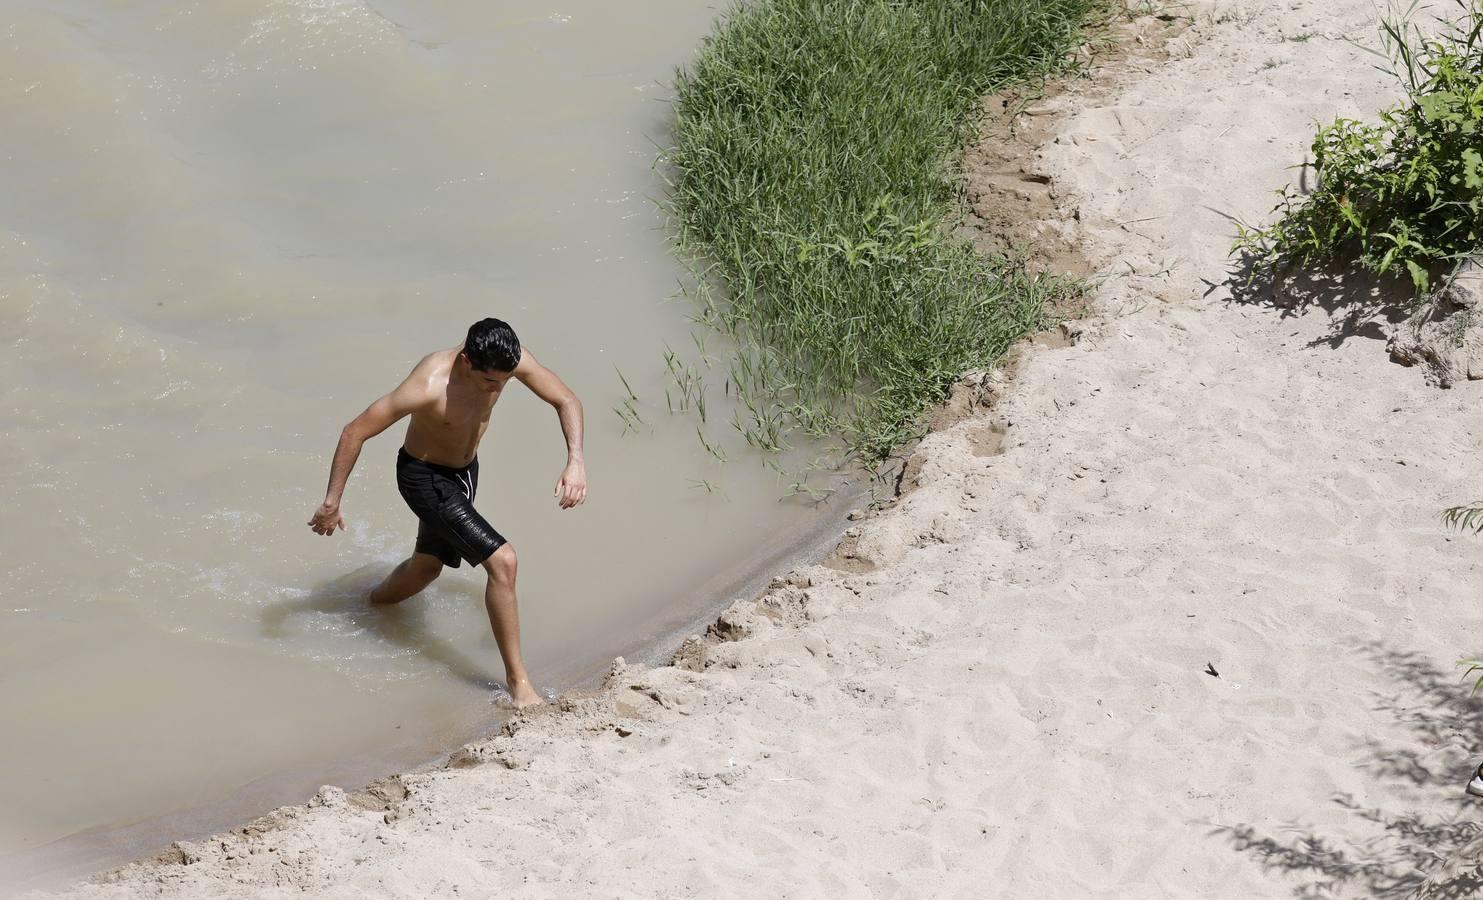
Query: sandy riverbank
[[1017, 699]]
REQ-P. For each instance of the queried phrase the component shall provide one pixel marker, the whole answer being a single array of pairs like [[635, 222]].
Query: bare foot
[[523, 694]]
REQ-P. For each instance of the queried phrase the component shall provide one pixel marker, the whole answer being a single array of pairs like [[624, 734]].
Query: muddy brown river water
[[225, 227]]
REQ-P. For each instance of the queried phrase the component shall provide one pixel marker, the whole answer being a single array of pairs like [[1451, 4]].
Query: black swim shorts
[[443, 498]]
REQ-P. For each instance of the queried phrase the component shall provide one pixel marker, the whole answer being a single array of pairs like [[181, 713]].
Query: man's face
[[491, 381], [488, 381]]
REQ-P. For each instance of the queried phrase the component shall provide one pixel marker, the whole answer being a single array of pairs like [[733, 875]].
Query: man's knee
[[425, 566], [501, 564]]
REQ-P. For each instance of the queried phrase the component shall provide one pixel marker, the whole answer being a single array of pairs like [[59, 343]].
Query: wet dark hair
[[492, 346]]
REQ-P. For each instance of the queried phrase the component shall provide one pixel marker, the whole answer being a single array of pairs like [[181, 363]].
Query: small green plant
[[801, 488], [1403, 196], [715, 450], [1474, 665], [1465, 518], [710, 487], [628, 409]]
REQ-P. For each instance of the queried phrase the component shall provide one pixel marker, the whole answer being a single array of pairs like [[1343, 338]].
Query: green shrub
[[811, 177], [1404, 196]]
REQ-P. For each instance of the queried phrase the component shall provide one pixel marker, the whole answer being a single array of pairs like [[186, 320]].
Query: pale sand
[[1016, 703]]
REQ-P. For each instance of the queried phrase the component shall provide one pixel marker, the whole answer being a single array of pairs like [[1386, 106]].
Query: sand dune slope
[[1191, 633]]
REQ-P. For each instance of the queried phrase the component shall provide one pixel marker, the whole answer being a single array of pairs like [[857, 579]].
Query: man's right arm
[[411, 394]]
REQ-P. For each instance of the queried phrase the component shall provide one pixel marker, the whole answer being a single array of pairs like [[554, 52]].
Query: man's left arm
[[571, 488]]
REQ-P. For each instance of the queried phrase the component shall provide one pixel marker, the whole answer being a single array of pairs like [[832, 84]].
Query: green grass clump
[[1403, 196], [811, 172]]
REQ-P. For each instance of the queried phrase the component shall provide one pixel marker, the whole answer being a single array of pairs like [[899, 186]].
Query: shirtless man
[[449, 396]]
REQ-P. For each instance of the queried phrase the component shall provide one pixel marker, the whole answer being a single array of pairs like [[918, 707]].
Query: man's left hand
[[571, 490]]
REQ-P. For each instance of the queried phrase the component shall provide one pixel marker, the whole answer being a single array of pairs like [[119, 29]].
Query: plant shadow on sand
[[1406, 844], [402, 624], [1359, 305]]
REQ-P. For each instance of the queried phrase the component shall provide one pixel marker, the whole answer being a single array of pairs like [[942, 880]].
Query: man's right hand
[[326, 518]]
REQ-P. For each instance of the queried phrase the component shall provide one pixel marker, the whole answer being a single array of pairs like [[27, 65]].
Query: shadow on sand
[[1359, 304], [1444, 721], [401, 624]]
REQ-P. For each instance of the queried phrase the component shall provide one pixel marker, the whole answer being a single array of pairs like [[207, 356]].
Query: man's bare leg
[[504, 618], [409, 577]]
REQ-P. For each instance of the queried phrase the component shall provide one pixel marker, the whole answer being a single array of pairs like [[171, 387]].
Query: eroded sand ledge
[[1016, 701]]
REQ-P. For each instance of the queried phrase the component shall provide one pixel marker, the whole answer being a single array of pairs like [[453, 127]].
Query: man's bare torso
[[447, 427]]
